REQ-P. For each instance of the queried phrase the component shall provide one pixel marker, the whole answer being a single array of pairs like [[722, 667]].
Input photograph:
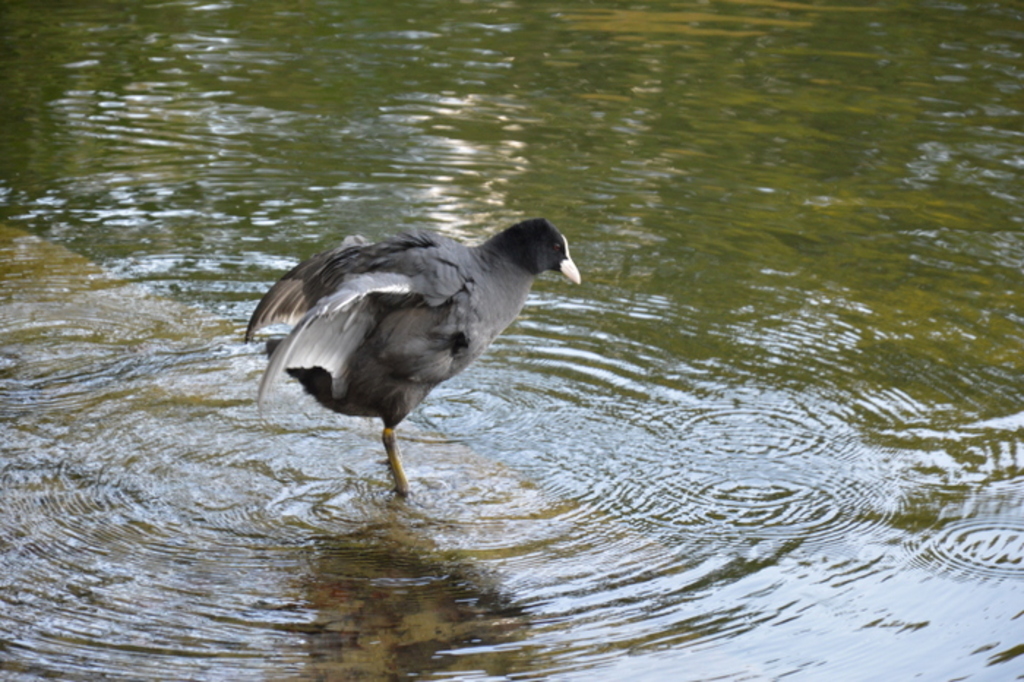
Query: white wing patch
[[330, 331]]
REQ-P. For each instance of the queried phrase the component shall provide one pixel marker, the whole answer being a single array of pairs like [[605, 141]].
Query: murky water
[[776, 433]]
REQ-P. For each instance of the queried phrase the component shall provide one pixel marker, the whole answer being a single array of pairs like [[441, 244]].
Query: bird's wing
[[305, 284], [436, 266], [328, 334]]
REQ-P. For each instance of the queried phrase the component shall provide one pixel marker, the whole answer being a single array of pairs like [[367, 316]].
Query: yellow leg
[[395, 462]]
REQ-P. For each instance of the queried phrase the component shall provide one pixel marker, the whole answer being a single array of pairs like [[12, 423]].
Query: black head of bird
[[378, 326]]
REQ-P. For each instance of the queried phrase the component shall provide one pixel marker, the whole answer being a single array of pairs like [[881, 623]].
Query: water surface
[[776, 433]]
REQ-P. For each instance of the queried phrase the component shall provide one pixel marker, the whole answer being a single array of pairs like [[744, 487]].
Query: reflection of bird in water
[[386, 606], [377, 326]]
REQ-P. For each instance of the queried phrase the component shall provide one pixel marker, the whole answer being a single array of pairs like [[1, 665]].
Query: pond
[[776, 433]]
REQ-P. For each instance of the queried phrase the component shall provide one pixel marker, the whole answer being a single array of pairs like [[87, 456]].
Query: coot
[[377, 326]]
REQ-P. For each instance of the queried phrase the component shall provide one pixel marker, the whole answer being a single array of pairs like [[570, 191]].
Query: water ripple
[[991, 547], [671, 452], [765, 427]]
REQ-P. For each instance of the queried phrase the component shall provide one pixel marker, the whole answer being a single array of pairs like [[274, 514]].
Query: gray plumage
[[377, 326]]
